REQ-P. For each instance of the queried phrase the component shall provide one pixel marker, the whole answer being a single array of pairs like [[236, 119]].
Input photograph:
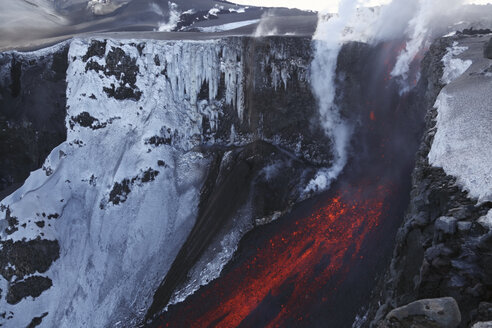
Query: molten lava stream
[[298, 268]]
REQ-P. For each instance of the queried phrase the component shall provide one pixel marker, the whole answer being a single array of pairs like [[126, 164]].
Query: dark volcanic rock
[[432, 313], [119, 192], [36, 321], [472, 31], [487, 51], [96, 49], [32, 112], [32, 286], [440, 250], [23, 258], [120, 65]]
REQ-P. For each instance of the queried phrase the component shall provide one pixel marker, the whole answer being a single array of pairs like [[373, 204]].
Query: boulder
[[487, 51], [446, 224], [483, 325], [436, 313]]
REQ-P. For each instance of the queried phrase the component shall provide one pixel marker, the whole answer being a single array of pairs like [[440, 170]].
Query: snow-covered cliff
[[154, 128]]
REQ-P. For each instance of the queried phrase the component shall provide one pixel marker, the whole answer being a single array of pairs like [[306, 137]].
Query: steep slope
[[166, 152], [443, 247], [32, 111]]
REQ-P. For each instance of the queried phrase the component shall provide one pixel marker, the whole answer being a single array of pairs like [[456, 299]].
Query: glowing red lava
[[310, 253]]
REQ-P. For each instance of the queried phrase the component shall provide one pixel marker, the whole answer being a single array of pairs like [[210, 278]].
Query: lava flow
[[317, 266], [289, 272]]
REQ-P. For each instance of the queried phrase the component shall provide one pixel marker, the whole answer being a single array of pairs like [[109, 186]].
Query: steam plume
[[424, 18], [328, 42], [174, 15]]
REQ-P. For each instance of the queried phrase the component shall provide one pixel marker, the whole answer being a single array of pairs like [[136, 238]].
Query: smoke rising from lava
[[426, 20], [415, 23]]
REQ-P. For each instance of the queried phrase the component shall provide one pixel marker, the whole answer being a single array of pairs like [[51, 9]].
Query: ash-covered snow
[[123, 190], [463, 142]]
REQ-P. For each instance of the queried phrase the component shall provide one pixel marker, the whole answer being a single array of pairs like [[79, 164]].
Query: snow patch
[[228, 27], [463, 143], [454, 67]]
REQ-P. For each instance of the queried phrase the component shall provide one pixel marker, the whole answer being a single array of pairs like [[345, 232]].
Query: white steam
[[416, 23], [103, 7], [419, 21], [174, 15], [330, 34], [267, 25]]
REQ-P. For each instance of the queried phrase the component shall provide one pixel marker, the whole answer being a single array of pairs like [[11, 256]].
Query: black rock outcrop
[[487, 51], [32, 112], [441, 249]]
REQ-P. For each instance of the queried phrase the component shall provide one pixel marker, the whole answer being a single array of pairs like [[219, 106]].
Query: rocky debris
[[435, 313], [487, 51], [32, 286]]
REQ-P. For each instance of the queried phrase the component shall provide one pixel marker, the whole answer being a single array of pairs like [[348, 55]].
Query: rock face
[[249, 174], [171, 147], [437, 313], [487, 50], [32, 111], [443, 247]]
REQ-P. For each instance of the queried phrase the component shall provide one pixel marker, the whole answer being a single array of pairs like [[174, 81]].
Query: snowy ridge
[[121, 194]]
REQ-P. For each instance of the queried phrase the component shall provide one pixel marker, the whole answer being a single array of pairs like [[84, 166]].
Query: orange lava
[[310, 252]]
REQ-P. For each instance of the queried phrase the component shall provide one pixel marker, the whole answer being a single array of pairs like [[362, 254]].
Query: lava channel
[[287, 275]]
